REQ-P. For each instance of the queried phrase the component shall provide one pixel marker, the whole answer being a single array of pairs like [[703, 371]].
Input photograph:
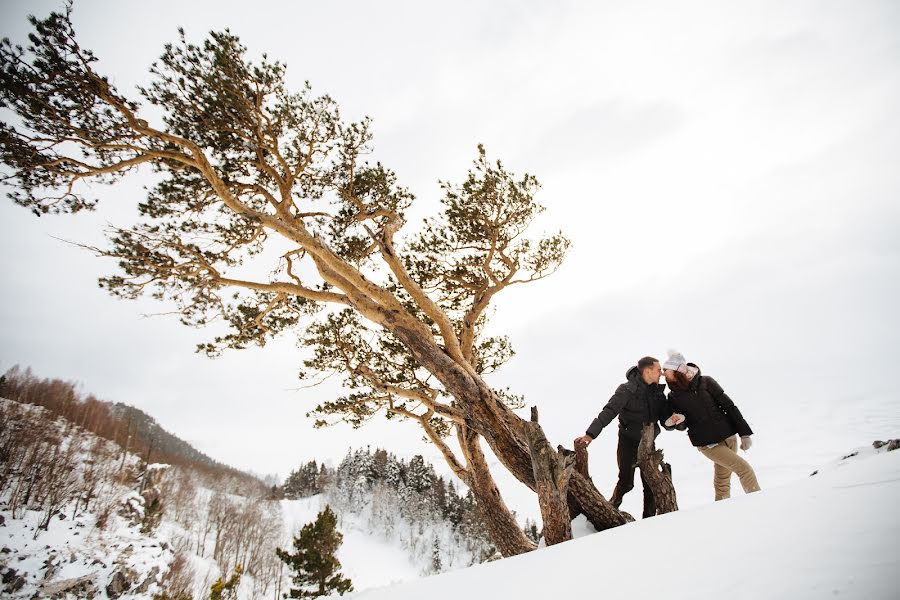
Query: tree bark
[[552, 471], [588, 487], [502, 526], [657, 472], [581, 460]]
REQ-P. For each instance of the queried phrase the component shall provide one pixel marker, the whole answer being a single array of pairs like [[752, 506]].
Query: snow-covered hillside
[[831, 535], [70, 516], [105, 538]]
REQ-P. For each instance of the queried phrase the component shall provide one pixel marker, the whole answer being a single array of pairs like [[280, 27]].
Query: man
[[641, 399]]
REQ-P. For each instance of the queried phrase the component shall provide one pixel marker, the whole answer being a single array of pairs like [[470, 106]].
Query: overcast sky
[[727, 172]]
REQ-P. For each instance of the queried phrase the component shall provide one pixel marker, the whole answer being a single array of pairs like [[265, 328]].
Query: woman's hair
[[646, 362], [682, 381]]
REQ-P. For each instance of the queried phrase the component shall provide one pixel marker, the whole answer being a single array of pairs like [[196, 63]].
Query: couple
[[696, 402]]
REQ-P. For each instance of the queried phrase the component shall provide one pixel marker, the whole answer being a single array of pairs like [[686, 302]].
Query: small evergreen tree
[[226, 590], [315, 566], [531, 531], [437, 564]]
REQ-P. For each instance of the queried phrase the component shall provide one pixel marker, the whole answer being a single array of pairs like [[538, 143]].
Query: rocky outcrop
[[891, 444], [12, 581], [122, 580], [80, 587]]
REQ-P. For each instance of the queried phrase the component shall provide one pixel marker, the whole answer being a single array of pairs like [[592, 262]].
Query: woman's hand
[[585, 439], [746, 442]]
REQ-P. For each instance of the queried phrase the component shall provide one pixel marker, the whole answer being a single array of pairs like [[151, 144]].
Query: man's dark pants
[[626, 453]]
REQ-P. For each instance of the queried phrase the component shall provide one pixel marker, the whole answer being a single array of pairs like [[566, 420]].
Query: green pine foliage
[[532, 532], [226, 589], [314, 564]]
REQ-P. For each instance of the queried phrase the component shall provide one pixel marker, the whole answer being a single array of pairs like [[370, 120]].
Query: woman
[[713, 422]]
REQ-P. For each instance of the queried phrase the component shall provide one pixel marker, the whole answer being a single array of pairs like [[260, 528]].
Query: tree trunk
[[502, 526], [504, 431], [552, 471], [581, 460], [581, 470], [657, 472]]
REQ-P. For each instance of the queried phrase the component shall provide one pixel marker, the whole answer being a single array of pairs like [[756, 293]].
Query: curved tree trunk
[[504, 432], [657, 472], [502, 526], [582, 471], [552, 470]]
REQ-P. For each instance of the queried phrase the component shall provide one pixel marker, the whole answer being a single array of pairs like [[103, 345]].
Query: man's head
[[650, 369]]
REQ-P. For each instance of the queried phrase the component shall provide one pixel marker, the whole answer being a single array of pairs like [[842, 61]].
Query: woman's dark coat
[[710, 415]]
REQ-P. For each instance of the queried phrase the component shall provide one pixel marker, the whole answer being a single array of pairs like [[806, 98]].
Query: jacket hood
[[632, 373], [696, 380]]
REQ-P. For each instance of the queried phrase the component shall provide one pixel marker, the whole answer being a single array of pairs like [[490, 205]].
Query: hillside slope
[[80, 517], [831, 535]]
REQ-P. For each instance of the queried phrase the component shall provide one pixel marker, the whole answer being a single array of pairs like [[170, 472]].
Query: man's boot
[[616, 498]]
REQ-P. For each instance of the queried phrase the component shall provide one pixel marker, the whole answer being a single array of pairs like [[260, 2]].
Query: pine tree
[[436, 564], [420, 475], [325, 477], [315, 566], [531, 531], [226, 590]]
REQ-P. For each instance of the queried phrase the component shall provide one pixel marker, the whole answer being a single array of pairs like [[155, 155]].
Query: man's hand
[[674, 420], [585, 439], [746, 442]]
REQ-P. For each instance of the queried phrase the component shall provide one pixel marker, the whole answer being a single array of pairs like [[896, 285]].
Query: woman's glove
[[675, 419], [746, 442]]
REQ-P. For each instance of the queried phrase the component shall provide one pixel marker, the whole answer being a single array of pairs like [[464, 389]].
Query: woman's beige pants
[[727, 461]]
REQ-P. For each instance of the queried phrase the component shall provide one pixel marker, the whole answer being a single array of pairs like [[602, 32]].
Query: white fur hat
[[676, 361]]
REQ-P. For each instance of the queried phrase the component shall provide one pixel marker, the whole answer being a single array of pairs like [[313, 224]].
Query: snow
[[365, 559], [75, 548], [829, 535]]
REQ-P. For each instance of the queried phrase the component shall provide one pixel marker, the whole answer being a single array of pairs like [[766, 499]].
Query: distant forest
[[133, 429]]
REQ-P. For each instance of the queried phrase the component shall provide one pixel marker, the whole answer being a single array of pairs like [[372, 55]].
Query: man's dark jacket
[[635, 403], [709, 414]]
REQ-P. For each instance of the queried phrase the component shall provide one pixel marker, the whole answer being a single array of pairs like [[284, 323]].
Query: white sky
[[726, 172]]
